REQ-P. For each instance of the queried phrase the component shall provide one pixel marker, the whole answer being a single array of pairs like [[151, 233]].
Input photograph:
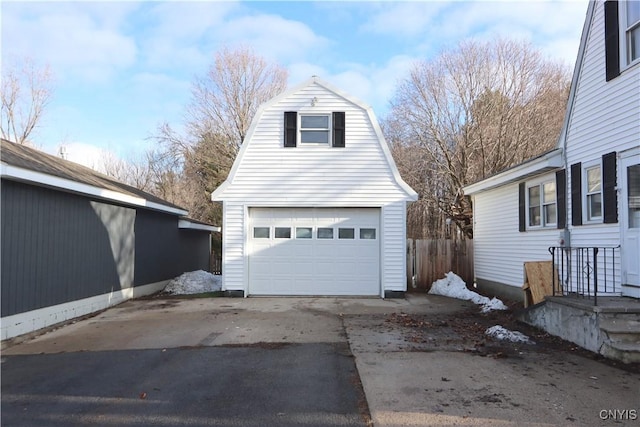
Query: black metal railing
[[585, 272]]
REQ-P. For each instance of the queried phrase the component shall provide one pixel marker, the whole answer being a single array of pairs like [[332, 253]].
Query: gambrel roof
[[410, 194]]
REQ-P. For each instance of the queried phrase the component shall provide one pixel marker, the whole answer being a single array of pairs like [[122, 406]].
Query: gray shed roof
[[30, 159]]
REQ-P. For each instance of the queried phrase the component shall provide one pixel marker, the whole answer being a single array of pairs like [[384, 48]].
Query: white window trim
[[540, 182], [329, 130], [624, 45], [585, 193]]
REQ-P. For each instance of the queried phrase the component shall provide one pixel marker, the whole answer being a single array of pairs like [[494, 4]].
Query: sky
[[121, 68]]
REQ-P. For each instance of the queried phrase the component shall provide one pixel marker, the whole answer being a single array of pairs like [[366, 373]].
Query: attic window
[[314, 129]]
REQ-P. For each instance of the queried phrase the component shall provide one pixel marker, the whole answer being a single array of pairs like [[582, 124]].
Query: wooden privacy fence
[[215, 263], [430, 260]]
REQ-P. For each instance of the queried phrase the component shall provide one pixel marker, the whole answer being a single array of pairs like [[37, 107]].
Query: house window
[[314, 129], [593, 193], [631, 25], [542, 204]]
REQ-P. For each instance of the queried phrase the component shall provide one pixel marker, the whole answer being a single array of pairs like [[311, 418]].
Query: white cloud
[[546, 24], [273, 37], [372, 84], [96, 158], [402, 18], [76, 39], [179, 33]]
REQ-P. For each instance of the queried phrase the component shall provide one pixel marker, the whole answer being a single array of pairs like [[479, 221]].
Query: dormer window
[[314, 129]]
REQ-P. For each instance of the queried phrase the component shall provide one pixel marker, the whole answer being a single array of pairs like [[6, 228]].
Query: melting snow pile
[[454, 287], [504, 334], [194, 282]]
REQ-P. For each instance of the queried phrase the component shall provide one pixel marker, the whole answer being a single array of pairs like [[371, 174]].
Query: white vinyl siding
[[500, 250], [233, 251], [394, 243], [357, 175], [604, 119], [360, 175]]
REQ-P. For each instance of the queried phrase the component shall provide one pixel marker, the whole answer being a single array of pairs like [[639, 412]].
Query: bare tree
[[188, 167], [26, 92], [226, 99], [473, 111]]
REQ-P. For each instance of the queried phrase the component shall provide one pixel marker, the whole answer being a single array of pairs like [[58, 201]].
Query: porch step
[[625, 352], [621, 336], [621, 329]]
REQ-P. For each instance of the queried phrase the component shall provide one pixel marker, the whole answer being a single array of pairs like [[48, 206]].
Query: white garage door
[[314, 251]]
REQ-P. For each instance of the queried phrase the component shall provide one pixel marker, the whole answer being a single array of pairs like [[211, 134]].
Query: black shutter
[[576, 194], [290, 128], [338, 129], [609, 193], [611, 39], [522, 218], [561, 199]]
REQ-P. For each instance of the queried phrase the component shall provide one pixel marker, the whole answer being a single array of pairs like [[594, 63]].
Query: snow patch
[[194, 282], [454, 287], [504, 334]]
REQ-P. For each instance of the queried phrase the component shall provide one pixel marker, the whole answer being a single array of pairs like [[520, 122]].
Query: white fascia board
[[550, 161], [185, 223], [26, 175]]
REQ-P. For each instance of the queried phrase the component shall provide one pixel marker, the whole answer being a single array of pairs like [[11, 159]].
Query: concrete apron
[[172, 323]]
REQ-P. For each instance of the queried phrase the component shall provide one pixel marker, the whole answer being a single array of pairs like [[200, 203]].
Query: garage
[[314, 251]]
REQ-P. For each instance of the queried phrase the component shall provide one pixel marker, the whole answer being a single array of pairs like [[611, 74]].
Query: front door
[[630, 224]]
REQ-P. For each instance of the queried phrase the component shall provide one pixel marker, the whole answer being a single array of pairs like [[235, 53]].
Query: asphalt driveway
[[187, 363], [419, 361]]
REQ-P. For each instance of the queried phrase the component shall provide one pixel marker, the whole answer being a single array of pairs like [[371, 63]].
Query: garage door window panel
[[346, 233], [325, 233], [304, 232], [282, 233], [367, 233], [260, 232]]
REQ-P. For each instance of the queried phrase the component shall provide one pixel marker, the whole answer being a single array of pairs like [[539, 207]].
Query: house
[[579, 204], [75, 241], [314, 204]]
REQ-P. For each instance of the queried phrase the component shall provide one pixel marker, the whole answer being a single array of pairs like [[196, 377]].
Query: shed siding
[[499, 249], [55, 248], [58, 247], [164, 251]]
